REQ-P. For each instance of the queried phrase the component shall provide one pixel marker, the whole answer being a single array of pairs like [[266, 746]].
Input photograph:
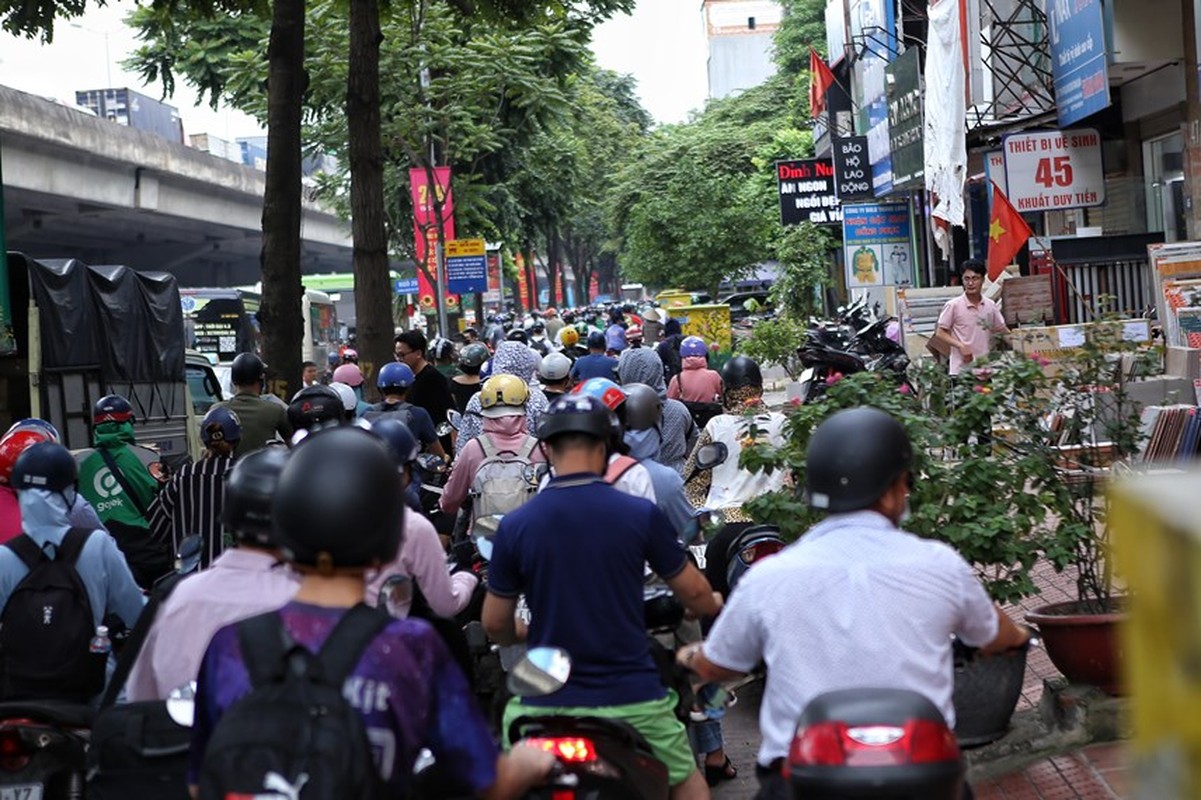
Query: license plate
[[24, 791]]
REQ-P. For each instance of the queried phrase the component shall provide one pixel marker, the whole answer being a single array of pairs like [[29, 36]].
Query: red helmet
[[13, 445]]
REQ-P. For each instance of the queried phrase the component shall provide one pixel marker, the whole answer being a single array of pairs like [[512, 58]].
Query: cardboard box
[[1027, 301], [1183, 362]]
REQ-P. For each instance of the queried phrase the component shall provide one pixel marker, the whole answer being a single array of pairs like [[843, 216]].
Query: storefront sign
[[878, 245], [807, 192], [903, 79], [1053, 170], [1078, 58], [466, 266], [852, 170]]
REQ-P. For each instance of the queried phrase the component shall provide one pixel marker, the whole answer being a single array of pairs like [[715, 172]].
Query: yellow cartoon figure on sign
[[867, 266]]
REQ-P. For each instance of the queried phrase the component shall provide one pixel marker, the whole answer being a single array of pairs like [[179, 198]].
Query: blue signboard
[[406, 286], [878, 245], [466, 274], [1078, 59]]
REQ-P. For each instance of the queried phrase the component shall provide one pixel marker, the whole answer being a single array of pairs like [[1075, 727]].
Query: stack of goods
[[1171, 433]]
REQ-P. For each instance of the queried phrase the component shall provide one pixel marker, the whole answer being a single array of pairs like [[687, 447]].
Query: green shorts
[[655, 720]]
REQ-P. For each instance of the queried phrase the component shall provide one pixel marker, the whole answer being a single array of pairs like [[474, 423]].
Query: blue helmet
[[603, 389], [395, 375], [693, 346], [37, 426], [46, 465], [401, 442], [220, 425]]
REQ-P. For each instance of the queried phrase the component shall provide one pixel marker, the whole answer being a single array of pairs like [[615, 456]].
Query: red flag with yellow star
[[1007, 232]]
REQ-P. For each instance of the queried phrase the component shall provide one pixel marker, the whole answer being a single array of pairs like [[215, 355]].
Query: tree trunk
[[372, 291], [280, 312]]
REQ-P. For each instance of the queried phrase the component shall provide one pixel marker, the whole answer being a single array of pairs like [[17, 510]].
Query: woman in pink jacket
[[696, 383]]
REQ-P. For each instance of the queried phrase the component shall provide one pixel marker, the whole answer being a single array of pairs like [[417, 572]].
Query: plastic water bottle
[[100, 642]]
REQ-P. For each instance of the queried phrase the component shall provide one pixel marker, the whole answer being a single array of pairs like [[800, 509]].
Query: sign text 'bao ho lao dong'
[[807, 192]]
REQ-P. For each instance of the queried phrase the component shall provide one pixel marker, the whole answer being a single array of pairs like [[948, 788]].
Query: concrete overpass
[[77, 186]]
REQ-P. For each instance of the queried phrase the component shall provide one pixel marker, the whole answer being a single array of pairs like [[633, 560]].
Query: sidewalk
[[1098, 772]]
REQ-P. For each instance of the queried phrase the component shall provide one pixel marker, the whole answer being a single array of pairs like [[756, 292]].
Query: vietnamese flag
[[820, 81], [1007, 232]]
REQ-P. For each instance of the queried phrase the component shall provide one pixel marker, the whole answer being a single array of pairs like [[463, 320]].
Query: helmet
[[604, 390], [644, 407], [220, 425], [634, 332], [662, 611], [14, 444], [554, 367], [45, 465], [853, 457], [473, 355], [486, 370], [503, 396], [596, 340], [112, 408], [569, 336], [350, 356], [246, 370], [402, 444], [740, 372], [249, 490], [442, 349], [350, 401], [349, 374], [550, 312], [337, 481], [578, 413], [537, 326], [315, 406], [517, 335], [394, 375], [693, 346], [35, 424]]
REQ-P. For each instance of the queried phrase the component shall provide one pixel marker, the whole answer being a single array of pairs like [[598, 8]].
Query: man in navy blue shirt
[[577, 552], [596, 364]]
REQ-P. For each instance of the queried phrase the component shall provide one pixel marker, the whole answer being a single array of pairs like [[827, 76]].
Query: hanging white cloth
[[945, 120]]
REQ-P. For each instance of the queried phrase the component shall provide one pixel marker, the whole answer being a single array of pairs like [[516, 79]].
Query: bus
[[220, 323], [339, 287]]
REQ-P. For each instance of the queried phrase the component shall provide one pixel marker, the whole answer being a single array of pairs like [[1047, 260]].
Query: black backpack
[[295, 735], [47, 626]]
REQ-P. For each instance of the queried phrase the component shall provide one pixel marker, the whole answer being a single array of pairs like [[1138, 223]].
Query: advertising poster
[[1078, 59], [425, 229], [878, 245]]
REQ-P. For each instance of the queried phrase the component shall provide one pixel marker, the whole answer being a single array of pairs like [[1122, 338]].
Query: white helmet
[[349, 401], [554, 367]]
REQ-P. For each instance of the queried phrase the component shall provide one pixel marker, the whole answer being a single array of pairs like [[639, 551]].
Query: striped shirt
[[191, 503]]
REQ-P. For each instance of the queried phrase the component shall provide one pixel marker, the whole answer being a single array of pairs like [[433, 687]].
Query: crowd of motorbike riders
[[541, 482]]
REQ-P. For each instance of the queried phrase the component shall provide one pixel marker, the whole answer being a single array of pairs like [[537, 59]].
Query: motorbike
[[856, 341], [874, 743], [598, 759]]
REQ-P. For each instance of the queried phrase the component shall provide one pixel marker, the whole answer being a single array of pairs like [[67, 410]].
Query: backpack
[[400, 412], [500, 485], [618, 468], [47, 626], [295, 732]]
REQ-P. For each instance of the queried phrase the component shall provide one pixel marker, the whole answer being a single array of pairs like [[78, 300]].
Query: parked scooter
[[856, 341]]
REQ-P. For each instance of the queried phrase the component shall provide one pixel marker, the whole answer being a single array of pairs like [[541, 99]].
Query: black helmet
[[596, 340], [247, 370], [740, 372], [402, 444], [517, 335], [314, 406], [579, 413], [249, 490], [337, 504], [644, 407], [853, 457], [112, 408], [46, 465]]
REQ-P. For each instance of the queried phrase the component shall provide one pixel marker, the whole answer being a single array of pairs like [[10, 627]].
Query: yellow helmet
[[569, 336], [503, 396]]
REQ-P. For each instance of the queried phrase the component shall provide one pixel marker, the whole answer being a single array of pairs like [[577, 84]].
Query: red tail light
[[830, 744], [14, 753], [571, 749], [759, 550]]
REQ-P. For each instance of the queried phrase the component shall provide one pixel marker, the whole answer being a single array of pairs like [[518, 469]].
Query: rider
[[569, 343], [856, 602], [316, 407], [352, 375], [510, 358], [245, 580], [394, 382], [640, 416], [624, 472], [555, 375], [538, 342], [554, 323], [405, 685], [467, 382], [678, 432], [584, 590], [191, 501], [350, 400], [596, 364], [262, 419], [20, 437], [703, 384]]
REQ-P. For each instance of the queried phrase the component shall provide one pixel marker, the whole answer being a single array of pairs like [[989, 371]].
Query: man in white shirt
[[857, 602]]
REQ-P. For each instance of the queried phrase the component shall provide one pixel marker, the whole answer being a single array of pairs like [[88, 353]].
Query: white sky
[[662, 44]]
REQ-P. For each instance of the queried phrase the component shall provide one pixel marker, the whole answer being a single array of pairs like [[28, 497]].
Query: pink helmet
[[349, 374]]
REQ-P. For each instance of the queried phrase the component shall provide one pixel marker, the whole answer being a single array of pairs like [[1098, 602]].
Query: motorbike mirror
[[181, 704], [710, 516], [444, 429], [454, 419], [534, 473], [430, 462], [187, 560], [395, 594], [712, 455], [543, 671]]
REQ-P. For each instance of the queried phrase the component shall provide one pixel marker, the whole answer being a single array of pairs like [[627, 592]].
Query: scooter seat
[[70, 715]]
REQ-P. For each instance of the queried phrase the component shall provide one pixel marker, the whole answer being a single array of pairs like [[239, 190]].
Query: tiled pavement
[[1098, 772], [1053, 588]]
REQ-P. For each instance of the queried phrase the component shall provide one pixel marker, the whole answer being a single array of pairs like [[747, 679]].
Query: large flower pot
[[986, 692], [1083, 646]]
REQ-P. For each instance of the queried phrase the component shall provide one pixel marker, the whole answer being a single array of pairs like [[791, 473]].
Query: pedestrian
[[262, 420], [678, 432], [308, 374], [968, 322], [248, 578], [431, 389], [856, 602]]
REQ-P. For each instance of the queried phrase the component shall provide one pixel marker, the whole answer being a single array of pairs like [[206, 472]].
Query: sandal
[[725, 772]]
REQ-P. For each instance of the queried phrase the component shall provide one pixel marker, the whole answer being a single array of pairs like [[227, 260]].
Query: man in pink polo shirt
[[967, 323]]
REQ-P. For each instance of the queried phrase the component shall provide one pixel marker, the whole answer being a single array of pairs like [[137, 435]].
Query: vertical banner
[[8, 342], [523, 288], [425, 230]]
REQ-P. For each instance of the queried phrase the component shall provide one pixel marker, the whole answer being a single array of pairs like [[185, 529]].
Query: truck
[[75, 333], [136, 110]]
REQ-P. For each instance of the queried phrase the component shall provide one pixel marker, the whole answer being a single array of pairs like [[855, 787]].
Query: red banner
[[425, 229]]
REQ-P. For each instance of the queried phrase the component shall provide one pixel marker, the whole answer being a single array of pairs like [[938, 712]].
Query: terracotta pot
[[1083, 646], [987, 689]]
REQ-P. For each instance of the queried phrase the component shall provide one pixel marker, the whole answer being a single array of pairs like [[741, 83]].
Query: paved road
[[740, 730]]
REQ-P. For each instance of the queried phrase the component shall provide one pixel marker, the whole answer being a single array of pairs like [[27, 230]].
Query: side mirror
[[187, 560], [430, 462], [181, 704], [543, 671], [534, 473], [395, 594], [444, 429], [454, 419], [712, 455]]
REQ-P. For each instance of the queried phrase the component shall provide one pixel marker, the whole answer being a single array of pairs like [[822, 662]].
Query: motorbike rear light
[[759, 550], [14, 753], [832, 744], [571, 749]]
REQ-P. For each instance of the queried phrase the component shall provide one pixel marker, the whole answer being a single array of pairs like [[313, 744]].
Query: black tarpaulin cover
[[128, 323]]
